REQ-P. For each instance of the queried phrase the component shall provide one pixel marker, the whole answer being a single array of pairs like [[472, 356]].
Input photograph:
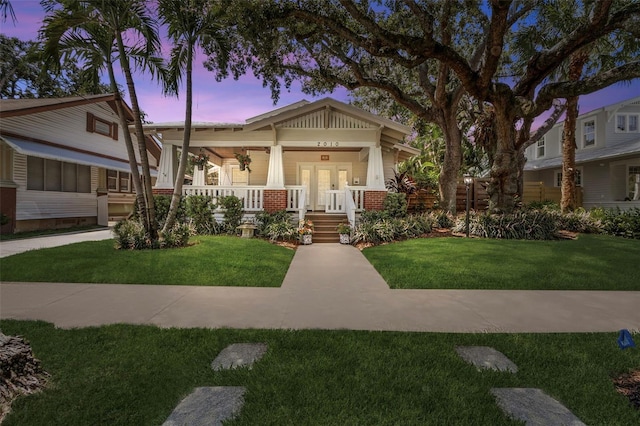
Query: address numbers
[[328, 144]]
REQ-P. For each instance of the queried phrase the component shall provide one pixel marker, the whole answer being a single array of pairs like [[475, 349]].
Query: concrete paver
[[328, 286]]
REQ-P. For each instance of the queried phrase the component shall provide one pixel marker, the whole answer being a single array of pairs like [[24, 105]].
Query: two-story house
[[607, 156]]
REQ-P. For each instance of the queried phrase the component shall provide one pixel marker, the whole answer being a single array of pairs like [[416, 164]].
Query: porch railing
[[335, 201], [349, 200], [252, 196], [297, 200]]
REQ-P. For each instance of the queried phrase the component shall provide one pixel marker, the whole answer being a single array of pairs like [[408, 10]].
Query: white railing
[[357, 195], [350, 206], [335, 201], [297, 200], [252, 196]]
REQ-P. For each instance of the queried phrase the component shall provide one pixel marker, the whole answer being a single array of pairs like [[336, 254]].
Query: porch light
[[468, 180]]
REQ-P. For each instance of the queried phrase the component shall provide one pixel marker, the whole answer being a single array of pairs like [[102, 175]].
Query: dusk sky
[[234, 101]]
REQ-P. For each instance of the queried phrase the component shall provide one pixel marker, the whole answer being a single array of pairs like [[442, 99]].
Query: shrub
[[620, 223], [376, 230], [178, 236], [264, 219], [200, 212], [395, 204], [521, 225], [130, 235], [577, 221], [443, 219], [232, 206], [282, 230]]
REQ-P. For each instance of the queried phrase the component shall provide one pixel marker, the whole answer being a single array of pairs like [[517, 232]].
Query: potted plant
[[244, 161], [200, 160], [305, 229], [344, 230]]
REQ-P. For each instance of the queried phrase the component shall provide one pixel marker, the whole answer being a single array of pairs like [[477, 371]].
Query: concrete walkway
[[7, 248], [328, 286]]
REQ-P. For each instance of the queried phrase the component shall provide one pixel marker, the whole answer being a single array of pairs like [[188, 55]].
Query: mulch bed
[[628, 384]]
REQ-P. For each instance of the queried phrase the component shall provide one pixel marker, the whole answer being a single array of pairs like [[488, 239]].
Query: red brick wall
[[275, 200], [162, 191], [373, 199], [8, 207]]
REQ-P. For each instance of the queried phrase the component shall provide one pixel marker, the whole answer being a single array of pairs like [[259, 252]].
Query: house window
[[634, 183], [540, 147], [626, 123], [102, 127], [118, 181], [577, 174], [589, 133], [6, 163], [57, 176]]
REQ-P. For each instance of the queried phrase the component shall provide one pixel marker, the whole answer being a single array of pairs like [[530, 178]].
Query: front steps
[[324, 226]]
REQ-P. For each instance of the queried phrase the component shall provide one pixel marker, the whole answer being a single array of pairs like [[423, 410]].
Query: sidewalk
[[328, 286], [7, 248]]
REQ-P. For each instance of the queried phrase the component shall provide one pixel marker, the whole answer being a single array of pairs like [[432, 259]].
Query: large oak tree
[[326, 43]]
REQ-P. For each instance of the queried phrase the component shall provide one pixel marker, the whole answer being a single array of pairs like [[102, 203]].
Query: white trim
[[583, 134]]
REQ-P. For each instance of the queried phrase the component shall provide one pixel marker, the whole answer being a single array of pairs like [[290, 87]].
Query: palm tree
[[189, 23], [93, 30]]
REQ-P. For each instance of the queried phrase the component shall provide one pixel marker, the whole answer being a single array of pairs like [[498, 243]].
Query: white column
[[199, 176], [275, 176], [224, 178], [375, 169], [166, 168]]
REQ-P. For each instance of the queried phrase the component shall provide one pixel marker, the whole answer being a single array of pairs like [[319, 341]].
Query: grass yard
[[136, 375], [592, 262], [212, 260]]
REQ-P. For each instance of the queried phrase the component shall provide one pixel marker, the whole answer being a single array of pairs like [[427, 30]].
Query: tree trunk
[[568, 200], [448, 180], [506, 168]]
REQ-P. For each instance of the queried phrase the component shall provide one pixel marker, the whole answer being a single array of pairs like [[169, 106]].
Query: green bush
[[443, 219], [375, 228], [130, 235], [620, 223], [178, 236], [395, 205], [521, 225], [200, 212], [282, 230], [232, 206], [264, 219]]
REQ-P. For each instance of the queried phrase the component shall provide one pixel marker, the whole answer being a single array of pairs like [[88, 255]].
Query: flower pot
[[345, 239], [307, 239], [242, 167], [200, 167]]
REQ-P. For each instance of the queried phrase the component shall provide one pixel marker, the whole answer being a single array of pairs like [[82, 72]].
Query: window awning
[[36, 149]]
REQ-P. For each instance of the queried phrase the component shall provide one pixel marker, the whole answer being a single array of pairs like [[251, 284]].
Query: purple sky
[[235, 101]]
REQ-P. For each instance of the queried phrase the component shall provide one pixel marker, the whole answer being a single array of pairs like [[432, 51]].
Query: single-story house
[[607, 156], [323, 156], [63, 162]]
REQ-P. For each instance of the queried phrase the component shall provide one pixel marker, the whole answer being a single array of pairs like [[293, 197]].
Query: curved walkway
[[328, 286]]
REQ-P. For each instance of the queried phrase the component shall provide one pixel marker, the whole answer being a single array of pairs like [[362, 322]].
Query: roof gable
[[18, 107]]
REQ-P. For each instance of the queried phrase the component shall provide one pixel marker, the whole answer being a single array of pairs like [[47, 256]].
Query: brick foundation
[[275, 200], [162, 191], [373, 199]]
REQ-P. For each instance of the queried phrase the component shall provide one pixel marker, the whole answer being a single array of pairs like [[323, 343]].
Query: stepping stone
[[239, 355], [534, 407], [208, 406], [487, 358]]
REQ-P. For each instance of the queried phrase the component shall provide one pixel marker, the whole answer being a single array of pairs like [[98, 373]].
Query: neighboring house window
[[540, 148], [118, 181], [626, 123], [58, 176], [578, 177], [6, 163], [102, 127], [634, 183], [589, 133]]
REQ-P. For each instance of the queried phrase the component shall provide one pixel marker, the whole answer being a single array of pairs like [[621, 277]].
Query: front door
[[318, 179]]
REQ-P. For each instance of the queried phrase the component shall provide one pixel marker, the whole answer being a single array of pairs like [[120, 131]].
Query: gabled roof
[[302, 108], [18, 107]]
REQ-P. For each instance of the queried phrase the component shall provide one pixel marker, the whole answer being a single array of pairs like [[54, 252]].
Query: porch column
[[166, 168], [375, 169], [275, 175]]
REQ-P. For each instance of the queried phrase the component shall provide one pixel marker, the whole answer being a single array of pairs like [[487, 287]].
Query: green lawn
[[136, 375], [592, 262], [217, 260]]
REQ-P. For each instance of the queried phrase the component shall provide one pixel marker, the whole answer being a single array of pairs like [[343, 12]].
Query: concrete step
[[324, 226]]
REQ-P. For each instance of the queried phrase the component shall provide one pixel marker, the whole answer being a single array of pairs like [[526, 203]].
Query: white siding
[[595, 182], [50, 205]]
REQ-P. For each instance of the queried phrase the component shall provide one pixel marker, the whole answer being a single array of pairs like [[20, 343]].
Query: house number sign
[[328, 144], [324, 158]]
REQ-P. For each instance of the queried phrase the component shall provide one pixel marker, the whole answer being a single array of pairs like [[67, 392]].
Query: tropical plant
[[189, 23], [263, 219], [280, 230], [400, 182], [343, 228], [95, 31], [305, 227], [395, 205]]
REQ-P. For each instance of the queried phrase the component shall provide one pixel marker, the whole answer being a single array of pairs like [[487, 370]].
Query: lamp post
[[468, 180]]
